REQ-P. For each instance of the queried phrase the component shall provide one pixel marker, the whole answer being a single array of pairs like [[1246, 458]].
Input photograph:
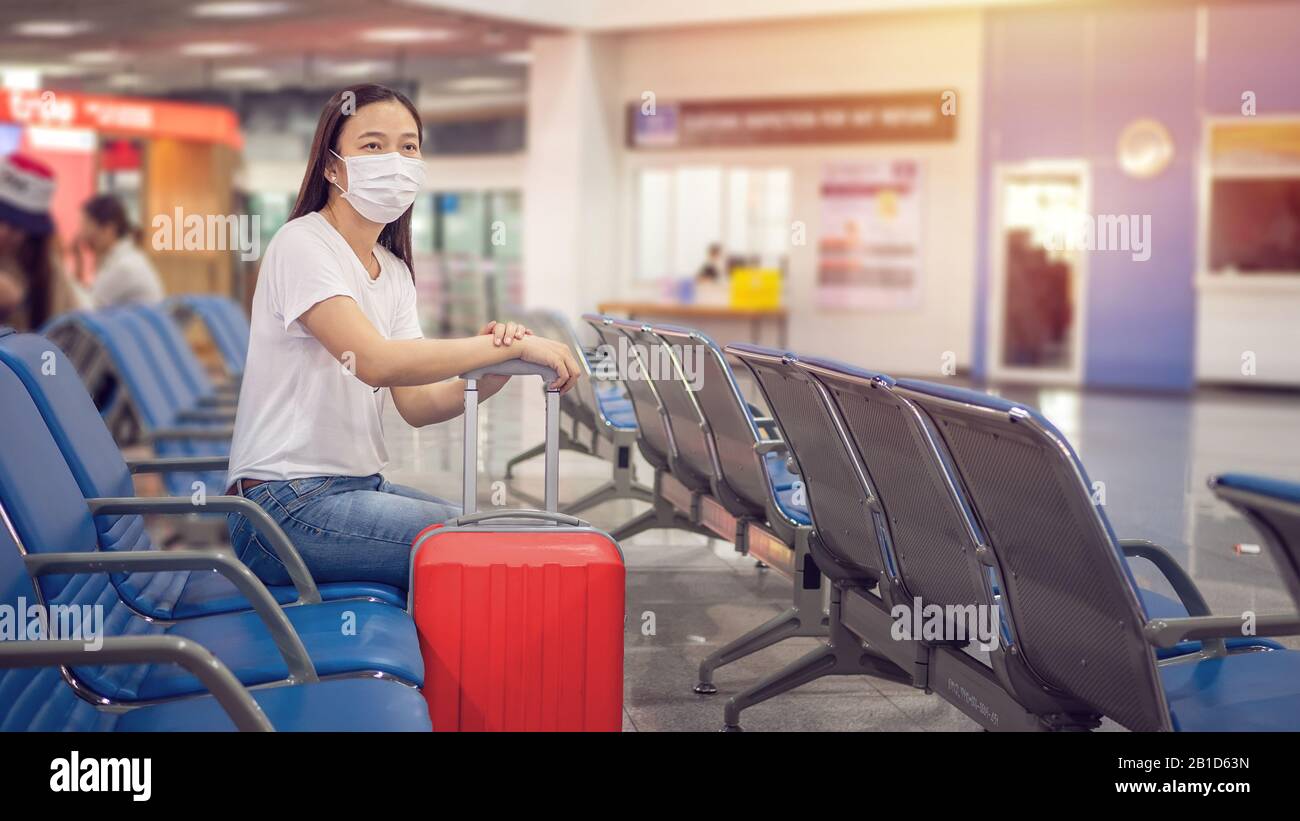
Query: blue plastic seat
[[49, 514], [100, 472], [168, 334], [39, 699], [226, 324], [1252, 686]]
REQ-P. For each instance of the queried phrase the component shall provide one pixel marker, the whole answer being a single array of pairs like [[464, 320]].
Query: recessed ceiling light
[[360, 68], [407, 35], [97, 57], [126, 79], [241, 74], [516, 58], [215, 49], [52, 28], [242, 8], [473, 84]]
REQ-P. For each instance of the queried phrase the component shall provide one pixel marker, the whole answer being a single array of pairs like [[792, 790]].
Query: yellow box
[[755, 288]]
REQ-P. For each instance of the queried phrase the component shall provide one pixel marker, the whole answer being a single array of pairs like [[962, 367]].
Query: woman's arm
[[340, 326]]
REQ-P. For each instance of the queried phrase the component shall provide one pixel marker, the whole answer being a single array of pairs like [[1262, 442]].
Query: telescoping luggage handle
[[512, 367]]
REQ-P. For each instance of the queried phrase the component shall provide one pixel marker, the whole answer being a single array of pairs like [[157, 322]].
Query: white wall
[[883, 53]]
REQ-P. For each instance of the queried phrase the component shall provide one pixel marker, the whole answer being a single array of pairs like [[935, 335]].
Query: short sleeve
[[303, 271], [406, 316]]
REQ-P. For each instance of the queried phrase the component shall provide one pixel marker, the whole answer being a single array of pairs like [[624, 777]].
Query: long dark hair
[[35, 259], [315, 190]]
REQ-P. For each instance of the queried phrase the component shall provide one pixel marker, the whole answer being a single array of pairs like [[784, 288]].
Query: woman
[[334, 335], [123, 275], [32, 287]]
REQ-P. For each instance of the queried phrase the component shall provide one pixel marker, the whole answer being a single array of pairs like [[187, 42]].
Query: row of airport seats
[[904, 492], [191, 640]]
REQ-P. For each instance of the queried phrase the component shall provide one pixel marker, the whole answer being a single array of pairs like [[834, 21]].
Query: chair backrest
[[739, 473], [692, 462], [35, 699], [157, 352], [1066, 588], [837, 493], [228, 329], [553, 325], [651, 421], [1273, 507], [174, 343], [49, 515], [152, 404], [928, 533]]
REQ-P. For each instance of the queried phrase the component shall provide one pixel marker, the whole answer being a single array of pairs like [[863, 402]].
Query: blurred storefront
[[158, 156]]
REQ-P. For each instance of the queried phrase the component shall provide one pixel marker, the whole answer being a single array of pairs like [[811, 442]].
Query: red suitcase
[[520, 612]]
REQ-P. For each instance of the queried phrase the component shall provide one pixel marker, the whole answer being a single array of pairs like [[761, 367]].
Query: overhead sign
[[864, 118], [121, 115]]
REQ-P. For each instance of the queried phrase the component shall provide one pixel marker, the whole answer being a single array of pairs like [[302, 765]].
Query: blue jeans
[[347, 528]]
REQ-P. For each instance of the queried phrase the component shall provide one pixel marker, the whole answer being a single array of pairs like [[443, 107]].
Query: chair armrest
[[1182, 583], [176, 464], [218, 402], [1169, 632], [233, 697], [222, 434], [224, 562], [765, 446], [259, 518]]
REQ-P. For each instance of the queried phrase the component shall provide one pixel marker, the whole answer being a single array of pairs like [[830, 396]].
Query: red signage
[[122, 116]]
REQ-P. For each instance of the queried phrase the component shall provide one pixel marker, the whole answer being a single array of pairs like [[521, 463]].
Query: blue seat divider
[[48, 512], [99, 470]]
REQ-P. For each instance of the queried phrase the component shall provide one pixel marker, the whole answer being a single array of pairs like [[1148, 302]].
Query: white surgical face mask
[[382, 186]]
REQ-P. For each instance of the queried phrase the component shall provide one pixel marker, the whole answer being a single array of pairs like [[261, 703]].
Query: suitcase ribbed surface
[[521, 630]]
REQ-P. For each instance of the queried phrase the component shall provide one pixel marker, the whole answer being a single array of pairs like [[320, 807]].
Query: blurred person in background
[[123, 274], [335, 337], [711, 280], [33, 287]]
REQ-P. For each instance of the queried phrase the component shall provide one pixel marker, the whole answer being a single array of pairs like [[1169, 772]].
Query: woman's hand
[[504, 333], [555, 355]]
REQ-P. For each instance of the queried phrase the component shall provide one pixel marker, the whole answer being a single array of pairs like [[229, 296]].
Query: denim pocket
[[294, 494]]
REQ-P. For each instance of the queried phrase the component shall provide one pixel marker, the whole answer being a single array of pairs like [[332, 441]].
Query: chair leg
[[842, 655], [535, 450], [600, 495], [805, 618]]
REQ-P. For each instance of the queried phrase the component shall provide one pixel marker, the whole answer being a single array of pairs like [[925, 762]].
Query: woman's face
[[378, 128], [98, 236]]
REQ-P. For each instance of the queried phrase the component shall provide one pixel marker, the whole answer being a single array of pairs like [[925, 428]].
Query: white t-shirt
[[301, 412], [125, 277]]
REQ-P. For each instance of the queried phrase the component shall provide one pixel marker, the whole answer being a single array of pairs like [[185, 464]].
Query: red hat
[[26, 189]]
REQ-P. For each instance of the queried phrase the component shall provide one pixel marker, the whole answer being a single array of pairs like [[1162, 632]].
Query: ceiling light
[[516, 58], [52, 28], [407, 35], [475, 84], [244, 8], [215, 49], [98, 57], [241, 74], [360, 68]]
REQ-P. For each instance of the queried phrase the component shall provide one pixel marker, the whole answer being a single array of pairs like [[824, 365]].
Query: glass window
[[1254, 198]]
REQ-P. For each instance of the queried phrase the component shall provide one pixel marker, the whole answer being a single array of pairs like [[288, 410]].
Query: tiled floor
[[1153, 455]]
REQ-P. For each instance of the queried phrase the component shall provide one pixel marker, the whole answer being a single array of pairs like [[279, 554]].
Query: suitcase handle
[[511, 367], [543, 515]]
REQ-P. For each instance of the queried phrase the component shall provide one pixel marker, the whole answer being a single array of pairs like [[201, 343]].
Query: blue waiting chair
[[1273, 507], [140, 405], [225, 323], [54, 524], [101, 472], [1079, 621], [199, 389], [37, 696]]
